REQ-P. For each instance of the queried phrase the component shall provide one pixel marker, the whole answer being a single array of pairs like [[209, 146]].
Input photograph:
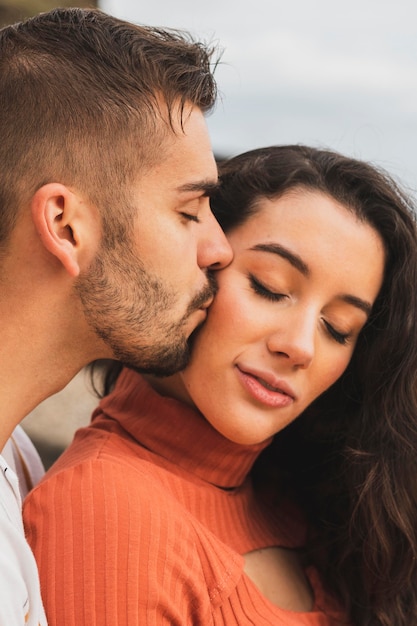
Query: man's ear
[[61, 220]]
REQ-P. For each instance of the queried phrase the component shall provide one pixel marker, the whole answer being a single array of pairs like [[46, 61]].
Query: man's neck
[[44, 337], [29, 375], [40, 352]]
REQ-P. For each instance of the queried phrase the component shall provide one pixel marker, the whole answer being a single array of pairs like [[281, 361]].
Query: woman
[[271, 482]]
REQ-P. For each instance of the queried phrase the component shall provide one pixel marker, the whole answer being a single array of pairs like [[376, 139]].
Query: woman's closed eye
[[260, 289], [342, 338], [264, 292]]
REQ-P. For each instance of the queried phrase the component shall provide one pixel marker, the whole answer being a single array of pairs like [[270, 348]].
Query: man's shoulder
[[10, 501], [20, 600]]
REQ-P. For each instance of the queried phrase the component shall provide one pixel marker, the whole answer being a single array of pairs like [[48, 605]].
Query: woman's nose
[[295, 339]]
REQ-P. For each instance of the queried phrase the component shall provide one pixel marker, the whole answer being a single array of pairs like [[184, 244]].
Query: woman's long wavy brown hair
[[352, 456]]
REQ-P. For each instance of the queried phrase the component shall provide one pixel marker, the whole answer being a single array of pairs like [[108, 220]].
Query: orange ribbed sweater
[[145, 518]]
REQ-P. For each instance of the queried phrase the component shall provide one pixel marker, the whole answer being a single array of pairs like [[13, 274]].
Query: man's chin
[[174, 360], [165, 364]]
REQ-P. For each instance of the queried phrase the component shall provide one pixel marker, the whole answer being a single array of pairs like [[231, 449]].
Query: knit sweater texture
[[145, 519]]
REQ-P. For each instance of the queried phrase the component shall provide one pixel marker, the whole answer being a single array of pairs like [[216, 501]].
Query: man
[[106, 235]]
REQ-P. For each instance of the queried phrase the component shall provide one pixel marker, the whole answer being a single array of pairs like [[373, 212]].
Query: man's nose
[[214, 250]]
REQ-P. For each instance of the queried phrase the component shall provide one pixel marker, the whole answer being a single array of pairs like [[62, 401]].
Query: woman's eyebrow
[[297, 262], [276, 248], [359, 303]]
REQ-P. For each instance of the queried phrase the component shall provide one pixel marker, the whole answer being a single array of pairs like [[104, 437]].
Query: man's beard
[[130, 311]]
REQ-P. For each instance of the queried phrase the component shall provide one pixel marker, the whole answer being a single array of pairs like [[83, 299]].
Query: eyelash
[[341, 338], [190, 218], [261, 290]]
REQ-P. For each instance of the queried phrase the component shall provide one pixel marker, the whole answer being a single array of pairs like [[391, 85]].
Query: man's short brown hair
[[80, 96]]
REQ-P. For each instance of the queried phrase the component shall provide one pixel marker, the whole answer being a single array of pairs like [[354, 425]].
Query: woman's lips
[[265, 387]]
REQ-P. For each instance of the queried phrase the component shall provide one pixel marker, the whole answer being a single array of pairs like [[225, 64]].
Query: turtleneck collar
[[177, 432]]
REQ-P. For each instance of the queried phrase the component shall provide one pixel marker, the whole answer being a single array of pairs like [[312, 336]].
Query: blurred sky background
[[331, 74]]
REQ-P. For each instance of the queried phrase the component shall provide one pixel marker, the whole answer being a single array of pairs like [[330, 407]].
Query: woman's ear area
[[67, 225]]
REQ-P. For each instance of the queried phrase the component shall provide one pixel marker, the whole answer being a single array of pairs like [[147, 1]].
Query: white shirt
[[23, 458], [20, 597]]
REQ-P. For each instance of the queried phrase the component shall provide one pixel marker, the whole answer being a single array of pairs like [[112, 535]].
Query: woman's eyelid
[[344, 324], [342, 337], [261, 289]]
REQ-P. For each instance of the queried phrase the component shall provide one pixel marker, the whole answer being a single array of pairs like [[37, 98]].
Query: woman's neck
[[171, 387]]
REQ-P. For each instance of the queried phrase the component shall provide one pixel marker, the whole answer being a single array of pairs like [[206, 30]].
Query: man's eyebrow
[[297, 262], [276, 248], [207, 187]]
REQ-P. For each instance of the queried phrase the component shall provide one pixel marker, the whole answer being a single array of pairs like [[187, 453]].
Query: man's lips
[[206, 296], [265, 387], [207, 304]]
